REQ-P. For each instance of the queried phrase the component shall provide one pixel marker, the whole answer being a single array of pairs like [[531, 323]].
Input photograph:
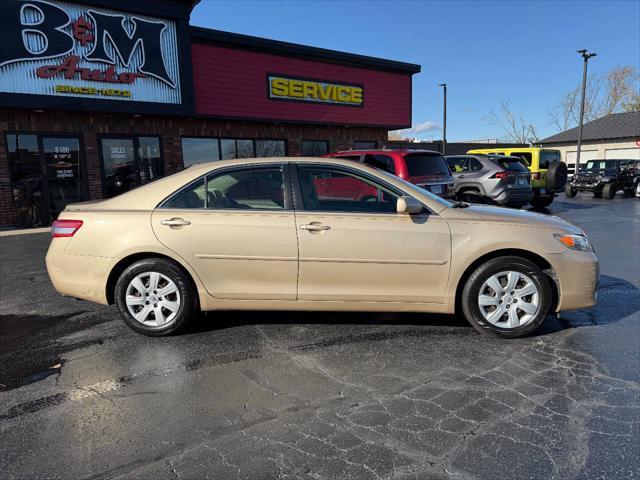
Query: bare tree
[[612, 93], [516, 129]]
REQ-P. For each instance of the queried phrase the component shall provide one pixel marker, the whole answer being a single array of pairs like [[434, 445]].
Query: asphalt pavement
[[265, 395]]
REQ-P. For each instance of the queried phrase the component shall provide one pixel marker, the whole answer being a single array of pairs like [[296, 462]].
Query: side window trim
[[286, 181], [297, 190]]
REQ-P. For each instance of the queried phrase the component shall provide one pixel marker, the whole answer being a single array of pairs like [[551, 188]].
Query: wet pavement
[[260, 395]]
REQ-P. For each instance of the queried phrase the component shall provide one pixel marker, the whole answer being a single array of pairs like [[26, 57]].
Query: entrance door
[[354, 246], [64, 172], [47, 173]]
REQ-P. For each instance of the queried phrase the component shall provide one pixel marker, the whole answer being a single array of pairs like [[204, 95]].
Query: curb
[[26, 231]]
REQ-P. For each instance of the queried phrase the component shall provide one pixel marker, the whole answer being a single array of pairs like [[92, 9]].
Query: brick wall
[[88, 126]]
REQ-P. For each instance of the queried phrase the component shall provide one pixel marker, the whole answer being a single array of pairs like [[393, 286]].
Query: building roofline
[[249, 42]]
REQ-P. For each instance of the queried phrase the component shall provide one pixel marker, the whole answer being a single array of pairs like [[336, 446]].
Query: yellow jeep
[[548, 172]]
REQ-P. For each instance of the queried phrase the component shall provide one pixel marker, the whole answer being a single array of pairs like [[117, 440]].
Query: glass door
[[64, 173]]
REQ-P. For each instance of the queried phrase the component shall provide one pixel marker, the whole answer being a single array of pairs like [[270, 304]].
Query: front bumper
[[577, 276]]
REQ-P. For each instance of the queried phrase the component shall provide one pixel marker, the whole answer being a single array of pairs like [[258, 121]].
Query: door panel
[[373, 257], [237, 254]]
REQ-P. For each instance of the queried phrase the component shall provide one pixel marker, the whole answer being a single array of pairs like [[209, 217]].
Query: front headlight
[[574, 242]]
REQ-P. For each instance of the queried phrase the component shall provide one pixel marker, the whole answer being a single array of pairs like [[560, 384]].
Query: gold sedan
[[315, 234]]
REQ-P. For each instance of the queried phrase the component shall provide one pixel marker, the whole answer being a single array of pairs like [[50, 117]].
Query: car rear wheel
[[507, 297], [155, 297], [540, 201], [609, 190], [569, 191]]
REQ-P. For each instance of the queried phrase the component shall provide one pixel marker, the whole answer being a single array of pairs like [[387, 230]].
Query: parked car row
[[512, 177]]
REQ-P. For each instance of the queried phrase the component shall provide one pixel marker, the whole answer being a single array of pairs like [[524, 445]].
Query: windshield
[[510, 164], [420, 164], [594, 165]]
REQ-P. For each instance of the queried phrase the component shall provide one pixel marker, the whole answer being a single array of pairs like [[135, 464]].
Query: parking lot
[[263, 395]]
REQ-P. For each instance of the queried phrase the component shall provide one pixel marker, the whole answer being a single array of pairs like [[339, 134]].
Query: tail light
[[65, 228], [500, 175]]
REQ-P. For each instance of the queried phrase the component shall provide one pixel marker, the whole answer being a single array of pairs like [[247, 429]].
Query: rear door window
[[458, 164], [510, 164], [383, 162], [420, 164], [475, 165], [526, 158]]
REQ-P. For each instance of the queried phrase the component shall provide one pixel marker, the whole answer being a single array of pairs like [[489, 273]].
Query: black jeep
[[604, 178]]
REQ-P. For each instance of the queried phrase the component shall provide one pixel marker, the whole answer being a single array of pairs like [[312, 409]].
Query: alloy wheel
[[509, 299], [152, 299]]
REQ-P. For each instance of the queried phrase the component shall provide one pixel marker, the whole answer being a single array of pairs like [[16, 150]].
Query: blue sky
[[487, 52]]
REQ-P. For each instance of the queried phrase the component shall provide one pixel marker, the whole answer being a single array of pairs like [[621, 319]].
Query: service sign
[[283, 87], [70, 50]]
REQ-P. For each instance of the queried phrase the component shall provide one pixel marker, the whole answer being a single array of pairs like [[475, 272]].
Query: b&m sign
[[65, 49]]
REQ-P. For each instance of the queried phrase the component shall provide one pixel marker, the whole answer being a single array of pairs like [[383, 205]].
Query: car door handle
[[461, 176], [175, 222], [315, 227]]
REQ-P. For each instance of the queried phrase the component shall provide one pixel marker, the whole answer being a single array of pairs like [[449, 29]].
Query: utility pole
[[444, 119], [586, 55]]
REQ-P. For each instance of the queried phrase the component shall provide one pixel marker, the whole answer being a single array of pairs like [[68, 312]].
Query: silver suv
[[491, 179]]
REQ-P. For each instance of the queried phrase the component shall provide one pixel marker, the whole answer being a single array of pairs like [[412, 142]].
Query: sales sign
[[65, 49], [282, 87]]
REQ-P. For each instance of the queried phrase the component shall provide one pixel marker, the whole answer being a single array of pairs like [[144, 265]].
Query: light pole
[[586, 55], [444, 119]]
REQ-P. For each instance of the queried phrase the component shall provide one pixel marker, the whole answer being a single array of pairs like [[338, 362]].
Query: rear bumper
[[577, 275], [77, 276]]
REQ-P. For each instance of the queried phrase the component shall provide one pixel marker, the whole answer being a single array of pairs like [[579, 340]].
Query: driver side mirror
[[408, 205]]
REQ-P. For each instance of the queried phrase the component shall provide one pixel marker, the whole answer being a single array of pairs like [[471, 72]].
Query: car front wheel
[[569, 191], [155, 297], [507, 297], [609, 191]]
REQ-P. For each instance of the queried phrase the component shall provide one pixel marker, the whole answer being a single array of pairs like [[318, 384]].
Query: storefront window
[[151, 164], [199, 150], [363, 144], [245, 148], [228, 148], [129, 162], [120, 167], [315, 148], [270, 148]]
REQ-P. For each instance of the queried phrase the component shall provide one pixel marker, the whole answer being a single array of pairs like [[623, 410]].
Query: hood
[[516, 217]]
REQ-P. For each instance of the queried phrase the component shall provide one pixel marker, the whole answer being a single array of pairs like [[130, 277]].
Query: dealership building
[[100, 96]]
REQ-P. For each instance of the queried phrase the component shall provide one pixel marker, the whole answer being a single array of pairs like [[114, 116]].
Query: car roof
[[403, 151]]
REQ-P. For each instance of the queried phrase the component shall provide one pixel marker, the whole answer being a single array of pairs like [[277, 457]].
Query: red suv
[[424, 168]]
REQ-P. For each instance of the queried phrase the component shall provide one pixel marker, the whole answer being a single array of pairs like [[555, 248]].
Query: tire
[[183, 298], [538, 304], [609, 190], [539, 201], [557, 175], [569, 191], [471, 196], [597, 193]]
